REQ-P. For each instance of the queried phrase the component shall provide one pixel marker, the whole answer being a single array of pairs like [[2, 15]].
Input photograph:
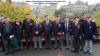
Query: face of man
[[88, 19], [84, 16], [57, 18], [66, 19], [1, 18], [37, 19], [6, 19], [27, 16], [46, 17], [77, 19], [17, 20]]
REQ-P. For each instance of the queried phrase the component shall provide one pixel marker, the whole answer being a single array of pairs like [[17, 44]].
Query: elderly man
[[89, 34], [1, 20], [37, 33], [7, 31]]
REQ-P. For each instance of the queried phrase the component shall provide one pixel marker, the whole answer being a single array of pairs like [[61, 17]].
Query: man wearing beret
[[1, 20], [37, 33], [47, 29], [68, 33], [7, 31], [27, 27], [89, 34], [76, 34], [18, 32], [58, 32]]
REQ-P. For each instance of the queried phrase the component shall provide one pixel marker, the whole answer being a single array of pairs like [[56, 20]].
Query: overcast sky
[[61, 3]]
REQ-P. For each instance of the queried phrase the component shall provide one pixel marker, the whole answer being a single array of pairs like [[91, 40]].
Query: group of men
[[78, 34]]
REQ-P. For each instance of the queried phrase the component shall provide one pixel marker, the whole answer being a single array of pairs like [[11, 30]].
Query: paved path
[[54, 52]]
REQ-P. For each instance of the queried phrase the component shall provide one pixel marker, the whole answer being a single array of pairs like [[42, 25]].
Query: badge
[[40, 26], [30, 23], [90, 27], [59, 25]]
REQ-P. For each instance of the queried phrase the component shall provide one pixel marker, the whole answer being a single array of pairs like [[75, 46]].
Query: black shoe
[[67, 48], [77, 51], [6, 53], [90, 53], [81, 49], [60, 48], [2, 51], [86, 52]]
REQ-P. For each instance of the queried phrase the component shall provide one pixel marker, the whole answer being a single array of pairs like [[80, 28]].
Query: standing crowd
[[78, 34]]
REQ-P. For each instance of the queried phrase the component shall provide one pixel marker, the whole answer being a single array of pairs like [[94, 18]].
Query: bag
[[13, 41]]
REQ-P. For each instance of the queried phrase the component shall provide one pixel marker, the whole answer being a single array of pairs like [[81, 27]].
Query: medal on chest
[[59, 25], [90, 27]]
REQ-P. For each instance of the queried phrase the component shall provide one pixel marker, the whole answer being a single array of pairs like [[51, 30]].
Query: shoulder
[[44, 21]]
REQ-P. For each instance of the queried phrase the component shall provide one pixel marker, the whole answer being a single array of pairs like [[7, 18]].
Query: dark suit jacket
[[82, 23], [3, 30], [89, 30], [58, 27], [0, 27], [76, 29], [38, 28], [47, 29], [27, 26], [69, 30], [18, 30]]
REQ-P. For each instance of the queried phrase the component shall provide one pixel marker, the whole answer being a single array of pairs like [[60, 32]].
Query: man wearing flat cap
[[37, 33], [90, 32], [58, 32], [76, 28], [7, 31], [18, 32], [27, 27]]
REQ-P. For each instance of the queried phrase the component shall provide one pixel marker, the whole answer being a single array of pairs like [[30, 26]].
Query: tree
[[46, 11], [61, 12], [8, 9], [96, 16]]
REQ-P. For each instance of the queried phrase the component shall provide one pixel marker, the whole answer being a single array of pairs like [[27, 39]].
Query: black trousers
[[76, 44], [48, 42], [2, 46], [20, 39], [6, 43], [28, 38], [82, 43]]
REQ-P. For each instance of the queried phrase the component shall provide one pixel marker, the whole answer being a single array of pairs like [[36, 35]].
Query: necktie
[[7, 27], [28, 20], [57, 21], [17, 23], [67, 25], [47, 22], [76, 23], [37, 23]]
